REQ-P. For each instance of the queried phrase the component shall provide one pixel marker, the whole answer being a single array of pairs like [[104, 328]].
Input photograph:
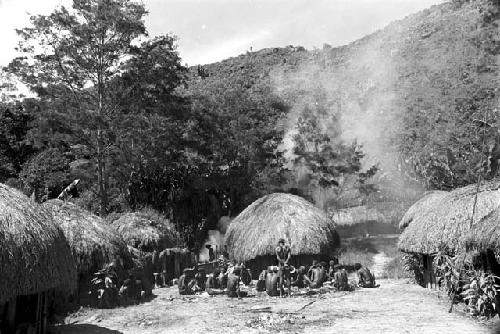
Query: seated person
[[187, 283], [365, 277], [201, 278], [233, 283], [314, 265], [340, 280], [212, 284], [318, 277], [272, 278], [261, 282], [301, 280], [332, 269]]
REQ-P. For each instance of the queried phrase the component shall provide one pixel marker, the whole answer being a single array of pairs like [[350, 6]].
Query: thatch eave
[[34, 253]]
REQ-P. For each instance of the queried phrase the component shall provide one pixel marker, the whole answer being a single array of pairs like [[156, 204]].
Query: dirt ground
[[396, 307]]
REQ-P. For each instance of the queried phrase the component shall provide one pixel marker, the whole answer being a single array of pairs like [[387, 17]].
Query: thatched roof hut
[[147, 231], [355, 215], [256, 231], [426, 202], [93, 242], [446, 225], [34, 254]]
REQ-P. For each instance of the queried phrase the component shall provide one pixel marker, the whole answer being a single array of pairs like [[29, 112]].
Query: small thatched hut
[[253, 235], [147, 231], [445, 225], [427, 201], [93, 243], [34, 258], [361, 220]]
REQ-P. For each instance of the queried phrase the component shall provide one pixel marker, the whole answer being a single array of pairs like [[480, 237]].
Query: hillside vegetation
[[409, 93], [409, 108]]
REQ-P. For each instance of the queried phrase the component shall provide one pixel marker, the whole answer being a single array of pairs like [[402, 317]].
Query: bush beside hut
[[35, 258], [253, 235]]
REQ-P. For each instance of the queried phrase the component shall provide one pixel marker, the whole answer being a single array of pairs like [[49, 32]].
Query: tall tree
[[77, 53]]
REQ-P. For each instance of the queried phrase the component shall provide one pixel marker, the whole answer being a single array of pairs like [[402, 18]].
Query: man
[[313, 266], [283, 254], [187, 283], [212, 285], [201, 278], [211, 254], [318, 277], [340, 280], [301, 280], [233, 283], [261, 282], [332, 269], [365, 277], [272, 280]]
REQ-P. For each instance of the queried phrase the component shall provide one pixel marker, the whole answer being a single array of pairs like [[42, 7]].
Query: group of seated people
[[226, 277], [314, 277], [229, 277]]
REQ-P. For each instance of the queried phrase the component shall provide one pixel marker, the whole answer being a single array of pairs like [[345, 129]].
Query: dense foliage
[[413, 104]]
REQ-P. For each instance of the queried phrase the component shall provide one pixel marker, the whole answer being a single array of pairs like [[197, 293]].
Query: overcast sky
[[212, 30]]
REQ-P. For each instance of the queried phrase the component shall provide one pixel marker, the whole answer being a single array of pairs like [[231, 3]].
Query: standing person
[[283, 254], [211, 254]]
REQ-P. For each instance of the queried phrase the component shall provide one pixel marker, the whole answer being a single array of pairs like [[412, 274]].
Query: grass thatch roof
[[446, 225], [147, 230], [256, 231], [34, 254], [93, 242], [427, 201]]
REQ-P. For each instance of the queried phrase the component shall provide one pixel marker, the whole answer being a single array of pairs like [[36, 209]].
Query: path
[[395, 307], [380, 261]]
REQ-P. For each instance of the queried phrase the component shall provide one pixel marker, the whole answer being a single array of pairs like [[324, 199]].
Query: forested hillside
[[414, 106]]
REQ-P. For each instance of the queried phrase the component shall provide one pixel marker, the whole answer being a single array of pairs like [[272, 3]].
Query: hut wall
[[429, 276], [262, 262], [26, 314], [173, 261]]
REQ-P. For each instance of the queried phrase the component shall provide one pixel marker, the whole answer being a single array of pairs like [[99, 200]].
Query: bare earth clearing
[[395, 307]]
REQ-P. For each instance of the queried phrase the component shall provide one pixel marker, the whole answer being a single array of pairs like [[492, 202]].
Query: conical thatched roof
[[34, 254], [446, 226], [147, 230], [256, 231], [428, 201], [93, 242]]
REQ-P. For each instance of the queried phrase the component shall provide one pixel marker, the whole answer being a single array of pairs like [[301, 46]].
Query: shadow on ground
[[85, 329]]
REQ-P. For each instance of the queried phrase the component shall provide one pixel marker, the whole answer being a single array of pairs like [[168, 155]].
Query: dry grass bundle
[[256, 230], [429, 200], [34, 254], [147, 230], [445, 226], [93, 242]]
